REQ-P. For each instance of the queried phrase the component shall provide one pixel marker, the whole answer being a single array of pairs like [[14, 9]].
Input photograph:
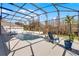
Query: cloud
[[3, 10], [16, 18], [54, 17], [6, 11], [27, 17], [32, 14], [30, 10], [23, 11]]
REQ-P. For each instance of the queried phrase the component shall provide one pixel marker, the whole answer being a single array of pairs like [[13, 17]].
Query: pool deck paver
[[37, 47], [2, 52]]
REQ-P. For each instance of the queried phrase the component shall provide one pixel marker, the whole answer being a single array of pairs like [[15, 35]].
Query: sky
[[47, 7]]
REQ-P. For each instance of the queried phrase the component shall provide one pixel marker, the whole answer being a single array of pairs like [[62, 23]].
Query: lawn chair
[[52, 39]]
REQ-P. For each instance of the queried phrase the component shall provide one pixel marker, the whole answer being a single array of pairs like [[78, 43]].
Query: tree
[[46, 27], [19, 23], [69, 20]]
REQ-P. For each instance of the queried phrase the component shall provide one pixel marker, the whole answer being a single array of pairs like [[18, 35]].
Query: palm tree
[[69, 20]]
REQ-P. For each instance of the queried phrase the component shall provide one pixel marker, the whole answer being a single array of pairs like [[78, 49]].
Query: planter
[[68, 44]]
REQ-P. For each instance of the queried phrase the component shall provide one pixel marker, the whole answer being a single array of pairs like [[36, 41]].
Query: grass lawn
[[66, 37]]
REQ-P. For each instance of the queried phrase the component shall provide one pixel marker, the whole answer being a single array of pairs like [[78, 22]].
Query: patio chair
[[52, 39]]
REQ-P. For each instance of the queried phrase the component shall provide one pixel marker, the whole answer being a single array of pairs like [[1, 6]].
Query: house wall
[[6, 29]]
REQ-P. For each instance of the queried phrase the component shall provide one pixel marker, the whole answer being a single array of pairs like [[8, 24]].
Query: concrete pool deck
[[37, 47]]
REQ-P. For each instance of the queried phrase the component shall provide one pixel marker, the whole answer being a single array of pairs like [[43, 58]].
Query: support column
[[0, 23], [78, 25], [0, 18], [58, 23], [46, 24], [58, 19]]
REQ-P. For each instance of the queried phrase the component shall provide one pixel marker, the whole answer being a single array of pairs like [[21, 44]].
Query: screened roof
[[38, 11]]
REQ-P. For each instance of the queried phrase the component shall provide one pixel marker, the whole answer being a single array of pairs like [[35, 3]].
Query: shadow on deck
[[3, 39], [74, 51]]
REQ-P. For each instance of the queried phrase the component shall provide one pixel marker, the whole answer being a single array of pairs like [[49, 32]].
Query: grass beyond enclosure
[[67, 37]]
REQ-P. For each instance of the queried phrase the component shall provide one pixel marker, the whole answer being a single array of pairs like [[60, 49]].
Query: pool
[[27, 36]]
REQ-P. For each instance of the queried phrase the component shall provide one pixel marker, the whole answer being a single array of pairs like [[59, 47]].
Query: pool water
[[27, 36]]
